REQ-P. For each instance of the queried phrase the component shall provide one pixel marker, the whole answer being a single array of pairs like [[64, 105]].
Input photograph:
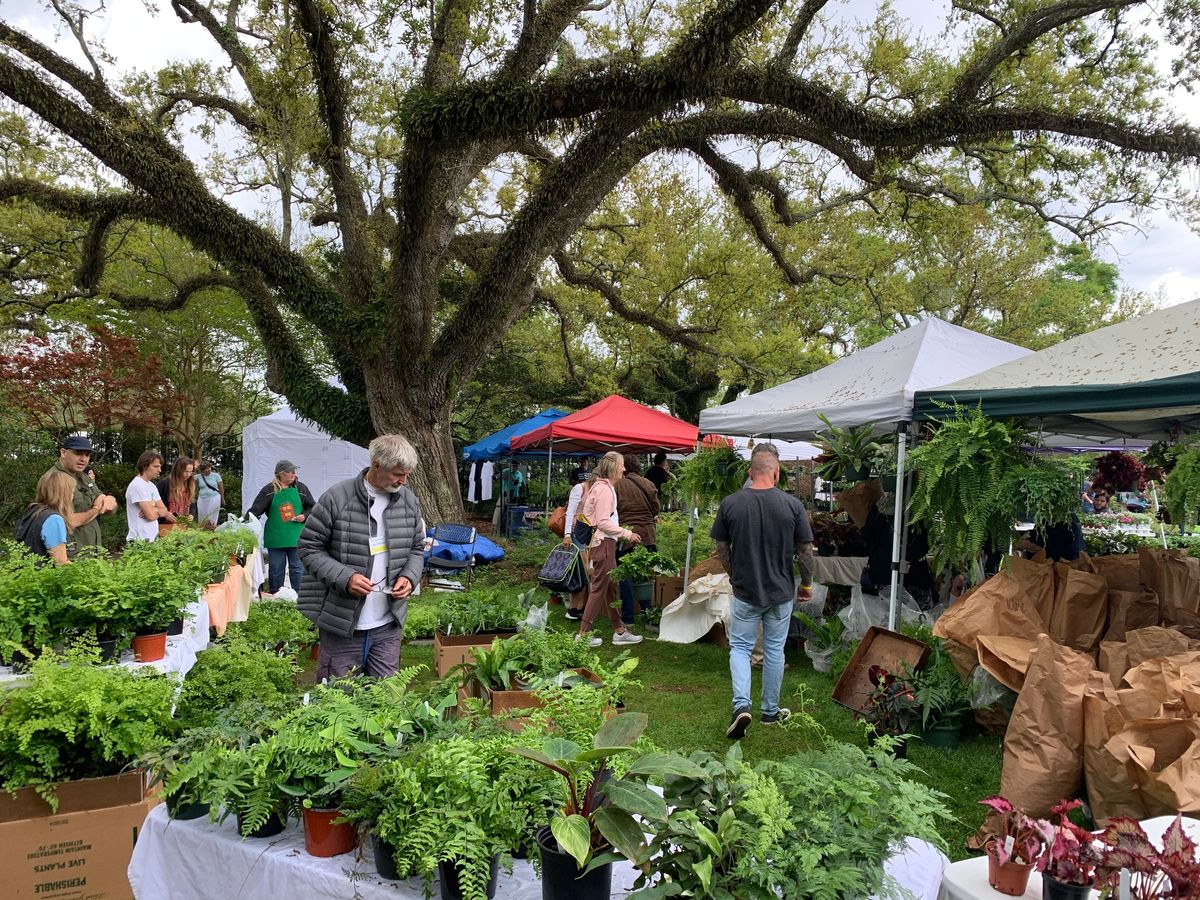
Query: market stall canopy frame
[[613, 423]]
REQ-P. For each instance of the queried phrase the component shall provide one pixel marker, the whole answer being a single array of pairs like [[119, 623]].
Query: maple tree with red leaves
[[91, 381]]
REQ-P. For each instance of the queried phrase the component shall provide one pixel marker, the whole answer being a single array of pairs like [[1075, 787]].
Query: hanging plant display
[[1119, 471]]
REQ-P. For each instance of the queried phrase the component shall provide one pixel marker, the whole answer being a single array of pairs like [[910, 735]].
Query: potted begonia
[[1016, 847]]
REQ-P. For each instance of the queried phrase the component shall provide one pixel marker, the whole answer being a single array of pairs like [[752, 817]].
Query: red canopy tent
[[614, 423]]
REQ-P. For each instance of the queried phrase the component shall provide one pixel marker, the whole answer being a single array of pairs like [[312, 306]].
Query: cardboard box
[[503, 701], [452, 650], [77, 853], [666, 589]]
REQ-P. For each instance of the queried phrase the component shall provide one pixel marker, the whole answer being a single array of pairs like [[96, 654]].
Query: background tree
[[441, 173]]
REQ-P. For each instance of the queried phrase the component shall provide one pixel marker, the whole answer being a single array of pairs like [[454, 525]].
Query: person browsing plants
[[759, 531], [178, 493], [286, 502], [600, 510], [363, 549], [46, 526], [579, 487], [143, 504]]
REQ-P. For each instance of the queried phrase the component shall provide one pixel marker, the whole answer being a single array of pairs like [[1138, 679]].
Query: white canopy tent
[[321, 460], [789, 451], [872, 386]]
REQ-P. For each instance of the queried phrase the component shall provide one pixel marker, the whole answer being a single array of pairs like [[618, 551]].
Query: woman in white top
[[579, 488]]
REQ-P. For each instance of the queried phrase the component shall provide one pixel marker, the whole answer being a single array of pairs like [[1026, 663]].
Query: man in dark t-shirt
[[658, 473], [759, 532]]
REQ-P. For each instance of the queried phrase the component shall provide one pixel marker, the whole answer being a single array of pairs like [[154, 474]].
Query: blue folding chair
[[453, 534]]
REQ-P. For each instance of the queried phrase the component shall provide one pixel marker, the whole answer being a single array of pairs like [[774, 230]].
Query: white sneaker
[[591, 641], [626, 637]]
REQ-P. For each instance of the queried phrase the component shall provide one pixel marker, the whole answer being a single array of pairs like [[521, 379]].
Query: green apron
[[282, 530]]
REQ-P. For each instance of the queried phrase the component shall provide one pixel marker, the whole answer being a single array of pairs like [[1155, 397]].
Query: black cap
[[78, 442]]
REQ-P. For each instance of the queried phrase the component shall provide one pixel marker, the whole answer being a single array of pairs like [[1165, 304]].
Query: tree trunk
[[418, 413]]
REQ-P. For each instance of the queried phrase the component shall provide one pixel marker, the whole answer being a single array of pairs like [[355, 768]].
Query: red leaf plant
[[1072, 853], [1020, 838], [1172, 873]]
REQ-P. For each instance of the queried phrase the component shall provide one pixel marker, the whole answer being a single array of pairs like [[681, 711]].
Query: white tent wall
[[321, 460]]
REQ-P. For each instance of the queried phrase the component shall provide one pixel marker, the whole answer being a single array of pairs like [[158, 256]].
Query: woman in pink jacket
[[600, 510]]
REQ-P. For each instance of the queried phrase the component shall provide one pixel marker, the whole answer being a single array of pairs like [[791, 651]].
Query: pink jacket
[[599, 507]]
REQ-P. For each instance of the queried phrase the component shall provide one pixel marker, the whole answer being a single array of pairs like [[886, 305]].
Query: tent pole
[[693, 514], [549, 468], [894, 601], [1162, 532]]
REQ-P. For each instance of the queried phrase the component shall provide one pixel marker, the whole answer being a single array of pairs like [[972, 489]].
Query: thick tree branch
[[800, 25], [450, 29], [736, 185], [239, 112], [541, 33], [361, 264], [177, 300], [548, 299], [90, 87], [1020, 36]]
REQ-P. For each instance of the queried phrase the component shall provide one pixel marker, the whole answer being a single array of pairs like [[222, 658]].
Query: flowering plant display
[[1072, 853], [1171, 872], [1021, 838]]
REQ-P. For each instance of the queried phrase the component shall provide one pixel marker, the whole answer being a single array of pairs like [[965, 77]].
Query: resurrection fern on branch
[[960, 469]]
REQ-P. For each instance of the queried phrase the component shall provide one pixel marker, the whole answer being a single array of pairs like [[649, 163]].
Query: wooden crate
[[666, 589], [879, 647], [451, 650]]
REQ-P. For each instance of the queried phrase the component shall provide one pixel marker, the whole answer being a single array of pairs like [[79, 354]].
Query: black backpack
[[563, 571]]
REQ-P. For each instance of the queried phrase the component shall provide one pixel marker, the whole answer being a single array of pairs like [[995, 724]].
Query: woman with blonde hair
[[286, 502], [600, 510], [46, 523]]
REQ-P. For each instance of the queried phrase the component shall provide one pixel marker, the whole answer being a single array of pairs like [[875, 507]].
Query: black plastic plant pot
[[944, 736], [448, 879], [850, 473], [185, 811], [273, 826], [385, 858], [561, 878], [1056, 890], [176, 626], [108, 650]]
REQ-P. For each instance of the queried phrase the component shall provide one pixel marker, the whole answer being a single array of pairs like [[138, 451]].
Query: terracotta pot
[[1011, 878], [149, 647], [323, 838]]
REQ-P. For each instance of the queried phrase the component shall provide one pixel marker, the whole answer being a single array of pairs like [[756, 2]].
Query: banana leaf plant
[[599, 812]]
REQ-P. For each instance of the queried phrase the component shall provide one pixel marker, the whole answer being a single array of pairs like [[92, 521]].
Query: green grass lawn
[[685, 689]]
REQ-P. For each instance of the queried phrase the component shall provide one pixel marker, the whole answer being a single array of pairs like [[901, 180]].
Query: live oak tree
[[445, 156]]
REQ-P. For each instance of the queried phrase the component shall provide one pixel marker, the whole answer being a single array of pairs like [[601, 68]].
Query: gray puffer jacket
[[335, 545]]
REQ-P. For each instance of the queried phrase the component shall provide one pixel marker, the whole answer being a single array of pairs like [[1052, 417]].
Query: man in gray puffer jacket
[[363, 552]]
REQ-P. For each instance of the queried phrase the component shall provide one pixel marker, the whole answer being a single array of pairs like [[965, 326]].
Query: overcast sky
[[1165, 258]]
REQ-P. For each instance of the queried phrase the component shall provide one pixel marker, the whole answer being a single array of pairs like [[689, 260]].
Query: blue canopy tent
[[495, 446]]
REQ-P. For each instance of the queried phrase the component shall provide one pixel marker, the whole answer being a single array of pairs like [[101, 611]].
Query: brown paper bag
[[1006, 658], [1080, 608], [1163, 760], [964, 658], [1174, 577], [996, 606], [1128, 610], [1124, 572], [1043, 749], [1037, 578], [1150, 643], [858, 500], [1114, 660], [1110, 792], [1166, 677]]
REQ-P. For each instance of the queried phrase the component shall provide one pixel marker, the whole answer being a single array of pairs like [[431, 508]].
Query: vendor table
[[229, 601], [838, 569], [197, 860], [968, 880]]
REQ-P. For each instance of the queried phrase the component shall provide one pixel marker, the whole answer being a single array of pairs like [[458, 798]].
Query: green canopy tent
[[1138, 380]]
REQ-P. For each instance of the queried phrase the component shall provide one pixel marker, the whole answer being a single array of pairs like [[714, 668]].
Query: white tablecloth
[[968, 880], [196, 860], [181, 648]]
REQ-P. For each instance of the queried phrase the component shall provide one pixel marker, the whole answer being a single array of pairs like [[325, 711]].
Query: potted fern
[[941, 698], [710, 475], [958, 494], [640, 566], [1182, 491]]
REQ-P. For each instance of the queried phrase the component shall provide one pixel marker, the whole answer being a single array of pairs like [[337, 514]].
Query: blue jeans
[[743, 635], [279, 558]]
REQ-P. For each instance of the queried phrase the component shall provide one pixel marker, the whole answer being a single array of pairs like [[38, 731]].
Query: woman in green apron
[[285, 502]]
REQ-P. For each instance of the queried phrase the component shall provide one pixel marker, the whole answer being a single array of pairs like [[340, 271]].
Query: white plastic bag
[[866, 610], [284, 593], [536, 618], [815, 607]]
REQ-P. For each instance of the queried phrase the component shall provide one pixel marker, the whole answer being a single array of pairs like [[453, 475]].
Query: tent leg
[[693, 513], [898, 525], [549, 469], [1162, 532]]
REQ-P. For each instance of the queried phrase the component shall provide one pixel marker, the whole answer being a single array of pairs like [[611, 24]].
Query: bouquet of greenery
[[641, 565]]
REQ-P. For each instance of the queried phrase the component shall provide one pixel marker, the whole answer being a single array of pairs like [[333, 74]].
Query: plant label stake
[[1123, 888]]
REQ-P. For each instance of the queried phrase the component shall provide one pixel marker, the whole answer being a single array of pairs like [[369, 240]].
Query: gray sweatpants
[[374, 652]]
